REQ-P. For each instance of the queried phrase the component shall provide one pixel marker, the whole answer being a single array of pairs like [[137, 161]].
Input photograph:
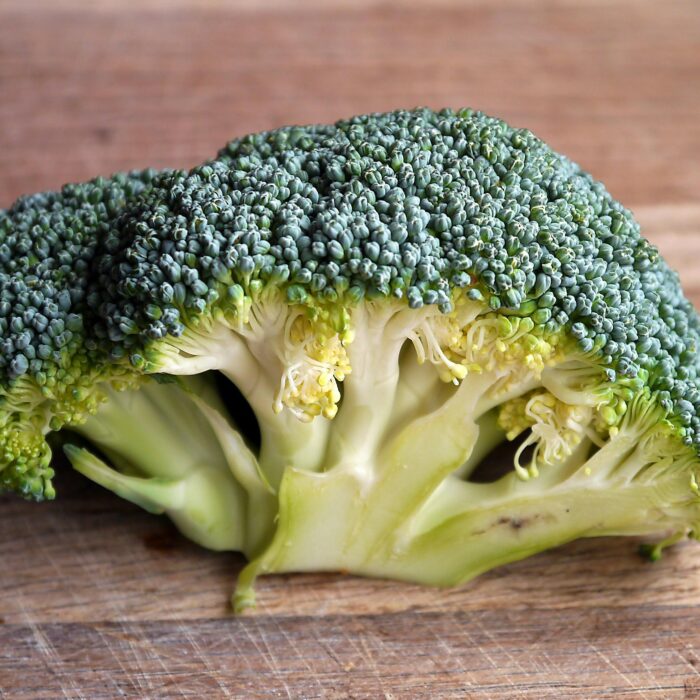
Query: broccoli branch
[[207, 485]]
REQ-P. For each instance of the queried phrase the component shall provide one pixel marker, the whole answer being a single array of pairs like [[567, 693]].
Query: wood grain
[[99, 599], [488, 653], [86, 92]]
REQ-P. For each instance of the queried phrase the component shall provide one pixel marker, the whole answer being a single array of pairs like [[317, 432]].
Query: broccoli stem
[[420, 390], [205, 504], [415, 520], [261, 506], [355, 507], [148, 428], [369, 390], [208, 485], [287, 442], [654, 552], [247, 360], [425, 452], [490, 436], [512, 529]]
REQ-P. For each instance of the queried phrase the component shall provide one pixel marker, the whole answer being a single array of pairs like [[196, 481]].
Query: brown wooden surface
[[100, 600]]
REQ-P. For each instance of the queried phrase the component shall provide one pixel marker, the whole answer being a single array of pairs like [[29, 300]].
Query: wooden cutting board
[[99, 599]]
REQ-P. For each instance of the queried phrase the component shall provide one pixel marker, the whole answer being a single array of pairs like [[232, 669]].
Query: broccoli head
[[304, 349]]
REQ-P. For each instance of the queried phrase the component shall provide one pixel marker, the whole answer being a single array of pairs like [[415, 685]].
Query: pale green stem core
[[369, 391], [380, 490], [367, 497], [490, 436], [400, 528], [146, 434], [206, 505]]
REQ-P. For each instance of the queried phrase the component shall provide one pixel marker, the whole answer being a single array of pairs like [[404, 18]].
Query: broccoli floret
[[393, 296], [51, 369]]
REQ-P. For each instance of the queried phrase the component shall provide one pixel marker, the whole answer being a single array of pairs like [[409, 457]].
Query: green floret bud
[[27, 460]]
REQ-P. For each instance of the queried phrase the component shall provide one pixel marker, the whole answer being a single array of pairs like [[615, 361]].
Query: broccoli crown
[[422, 207], [413, 205]]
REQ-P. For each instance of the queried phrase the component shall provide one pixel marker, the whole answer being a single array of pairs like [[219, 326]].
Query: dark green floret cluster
[[408, 205], [47, 246], [370, 307]]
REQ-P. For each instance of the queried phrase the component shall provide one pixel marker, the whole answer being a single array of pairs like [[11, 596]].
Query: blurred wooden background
[[100, 600]]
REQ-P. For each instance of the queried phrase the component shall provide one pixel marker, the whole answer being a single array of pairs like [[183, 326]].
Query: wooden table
[[99, 599]]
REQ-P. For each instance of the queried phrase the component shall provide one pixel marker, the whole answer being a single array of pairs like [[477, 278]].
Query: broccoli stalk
[[383, 490], [409, 529], [254, 353], [175, 452]]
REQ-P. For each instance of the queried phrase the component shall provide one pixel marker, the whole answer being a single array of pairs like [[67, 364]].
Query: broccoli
[[391, 298]]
